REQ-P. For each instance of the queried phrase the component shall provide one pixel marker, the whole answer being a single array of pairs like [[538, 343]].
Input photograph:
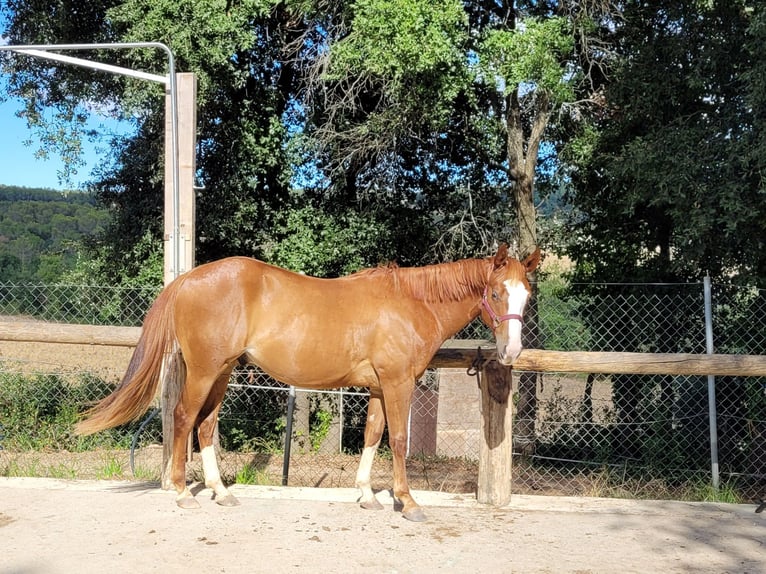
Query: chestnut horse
[[378, 328]]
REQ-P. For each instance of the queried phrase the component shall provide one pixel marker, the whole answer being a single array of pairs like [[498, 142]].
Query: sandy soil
[[107, 362], [53, 526]]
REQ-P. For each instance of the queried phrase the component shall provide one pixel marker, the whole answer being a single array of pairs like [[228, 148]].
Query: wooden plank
[[454, 354], [39, 332], [642, 363]]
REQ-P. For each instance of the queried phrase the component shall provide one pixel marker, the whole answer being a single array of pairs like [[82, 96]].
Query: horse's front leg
[[373, 431], [397, 411]]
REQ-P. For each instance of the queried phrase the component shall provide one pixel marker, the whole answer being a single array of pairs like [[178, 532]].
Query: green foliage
[[411, 38], [111, 468], [241, 432], [400, 38], [323, 244], [321, 421], [251, 474], [39, 412], [670, 159], [382, 92], [727, 492], [534, 54], [203, 33], [560, 326], [41, 231]]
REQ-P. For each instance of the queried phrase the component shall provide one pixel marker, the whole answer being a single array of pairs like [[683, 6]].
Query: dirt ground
[[54, 526], [107, 362]]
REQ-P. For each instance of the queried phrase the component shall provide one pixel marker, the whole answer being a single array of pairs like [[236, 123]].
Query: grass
[[704, 492], [613, 483], [110, 469], [147, 474], [250, 474], [62, 471], [30, 467]]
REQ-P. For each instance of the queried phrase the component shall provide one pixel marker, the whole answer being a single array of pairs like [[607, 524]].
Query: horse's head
[[504, 300]]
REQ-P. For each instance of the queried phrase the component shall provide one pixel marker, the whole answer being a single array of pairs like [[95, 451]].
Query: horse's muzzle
[[507, 354]]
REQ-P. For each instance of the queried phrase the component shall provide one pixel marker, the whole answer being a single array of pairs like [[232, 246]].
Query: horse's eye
[[495, 296]]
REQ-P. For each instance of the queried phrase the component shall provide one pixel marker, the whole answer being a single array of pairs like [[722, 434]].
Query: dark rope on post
[[476, 367]]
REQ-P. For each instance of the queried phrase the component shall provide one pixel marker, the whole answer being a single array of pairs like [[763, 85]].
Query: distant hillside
[[40, 230], [16, 193]]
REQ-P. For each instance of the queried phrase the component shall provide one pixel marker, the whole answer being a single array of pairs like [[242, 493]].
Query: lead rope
[[476, 367]]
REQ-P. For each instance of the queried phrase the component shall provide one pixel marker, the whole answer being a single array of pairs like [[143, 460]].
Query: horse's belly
[[317, 371]]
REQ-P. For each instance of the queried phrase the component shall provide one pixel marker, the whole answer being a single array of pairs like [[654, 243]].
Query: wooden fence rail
[[454, 354], [494, 481]]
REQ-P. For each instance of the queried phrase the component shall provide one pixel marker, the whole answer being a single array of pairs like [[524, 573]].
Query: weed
[[63, 471], [29, 467], [250, 474], [148, 474], [704, 492], [320, 428], [110, 469]]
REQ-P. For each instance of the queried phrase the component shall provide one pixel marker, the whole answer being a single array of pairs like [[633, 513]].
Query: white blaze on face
[[508, 334]]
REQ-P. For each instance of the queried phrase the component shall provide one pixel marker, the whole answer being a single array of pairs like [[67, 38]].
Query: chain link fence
[[79, 304], [605, 435]]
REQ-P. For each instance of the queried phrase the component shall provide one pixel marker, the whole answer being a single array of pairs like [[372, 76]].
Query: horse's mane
[[441, 282]]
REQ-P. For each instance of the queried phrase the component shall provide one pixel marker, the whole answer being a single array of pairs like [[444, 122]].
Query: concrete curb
[[519, 502]]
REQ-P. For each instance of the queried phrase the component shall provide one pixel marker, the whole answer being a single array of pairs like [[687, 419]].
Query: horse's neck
[[452, 291], [454, 315]]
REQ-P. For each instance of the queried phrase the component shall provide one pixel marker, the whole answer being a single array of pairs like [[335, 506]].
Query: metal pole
[[288, 435], [712, 413], [341, 425], [91, 64], [43, 51]]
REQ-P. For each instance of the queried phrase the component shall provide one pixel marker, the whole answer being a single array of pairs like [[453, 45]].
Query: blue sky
[[18, 164]]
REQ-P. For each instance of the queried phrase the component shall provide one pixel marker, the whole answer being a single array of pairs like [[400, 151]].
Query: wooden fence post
[[187, 152], [494, 485], [173, 368]]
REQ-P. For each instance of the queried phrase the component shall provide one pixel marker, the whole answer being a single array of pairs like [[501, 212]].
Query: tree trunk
[[301, 428], [522, 161], [330, 442]]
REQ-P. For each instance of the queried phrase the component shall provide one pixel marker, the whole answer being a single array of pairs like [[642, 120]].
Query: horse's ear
[[501, 256], [532, 261]]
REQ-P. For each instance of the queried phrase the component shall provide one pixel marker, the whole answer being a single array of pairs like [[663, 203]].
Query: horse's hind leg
[[184, 417], [373, 430], [201, 395], [206, 432]]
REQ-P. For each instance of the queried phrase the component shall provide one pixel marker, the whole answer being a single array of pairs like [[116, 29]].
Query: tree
[[668, 181], [243, 93], [489, 86], [424, 119], [671, 155]]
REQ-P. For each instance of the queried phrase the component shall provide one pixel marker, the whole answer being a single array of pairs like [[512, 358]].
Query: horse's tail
[[138, 387]]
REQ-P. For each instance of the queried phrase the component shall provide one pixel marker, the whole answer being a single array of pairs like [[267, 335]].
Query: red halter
[[497, 319]]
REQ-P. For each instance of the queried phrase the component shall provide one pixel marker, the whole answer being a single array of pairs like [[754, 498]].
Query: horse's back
[[301, 330]]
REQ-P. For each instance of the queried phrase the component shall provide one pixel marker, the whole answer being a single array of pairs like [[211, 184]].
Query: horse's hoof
[[373, 504], [415, 515], [188, 503], [228, 500]]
